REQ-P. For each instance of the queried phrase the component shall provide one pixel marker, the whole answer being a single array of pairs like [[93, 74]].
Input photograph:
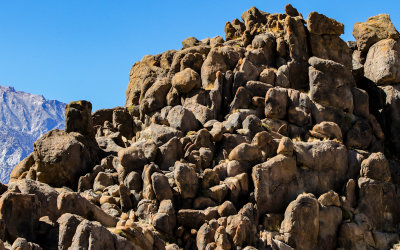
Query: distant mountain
[[23, 119]]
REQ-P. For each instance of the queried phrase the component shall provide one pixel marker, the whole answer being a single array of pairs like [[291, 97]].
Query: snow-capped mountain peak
[[24, 118]]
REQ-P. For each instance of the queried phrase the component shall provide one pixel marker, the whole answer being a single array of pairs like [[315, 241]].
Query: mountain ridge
[[24, 117]]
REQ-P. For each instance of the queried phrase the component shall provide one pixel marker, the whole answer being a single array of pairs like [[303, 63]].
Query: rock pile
[[282, 136]]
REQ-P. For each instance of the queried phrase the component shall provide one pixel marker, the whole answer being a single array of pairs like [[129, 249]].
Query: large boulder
[[132, 158], [300, 225], [326, 162], [379, 202], [330, 84], [186, 80], [22, 168], [165, 219], [69, 202], [382, 65], [376, 167], [273, 183], [23, 244], [161, 187], [276, 103], [245, 152], [20, 213], [201, 112], [330, 218], [215, 62], [295, 35], [325, 41], [141, 76], [91, 235], [186, 180], [160, 134], [122, 121], [331, 47], [46, 195], [169, 153], [61, 157], [155, 96], [320, 24], [67, 228], [376, 28], [78, 118], [182, 119], [190, 218]]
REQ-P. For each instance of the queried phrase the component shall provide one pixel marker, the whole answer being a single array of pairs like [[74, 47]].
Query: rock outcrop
[[281, 137]]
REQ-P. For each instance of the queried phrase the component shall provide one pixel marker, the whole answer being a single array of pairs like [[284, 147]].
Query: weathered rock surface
[[382, 64], [228, 145], [376, 28]]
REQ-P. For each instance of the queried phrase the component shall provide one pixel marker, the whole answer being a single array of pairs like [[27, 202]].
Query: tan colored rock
[[46, 195], [20, 214], [376, 167], [102, 181], [329, 130], [285, 147], [330, 84], [69, 202], [245, 152], [320, 24], [190, 42], [330, 198], [215, 62], [272, 183], [155, 96], [218, 192], [291, 11], [331, 47], [301, 223], [22, 168], [78, 118], [276, 102], [186, 180], [330, 218], [186, 80], [204, 236], [92, 235], [23, 244], [60, 157], [161, 187], [382, 65], [226, 209], [190, 218], [221, 238], [296, 38], [67, 227], [376, 28]]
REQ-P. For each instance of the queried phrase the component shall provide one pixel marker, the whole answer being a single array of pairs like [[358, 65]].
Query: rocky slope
[[23, 119], [281, 136]]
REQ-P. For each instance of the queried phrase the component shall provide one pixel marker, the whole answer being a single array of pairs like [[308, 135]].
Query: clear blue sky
[[84, 49]]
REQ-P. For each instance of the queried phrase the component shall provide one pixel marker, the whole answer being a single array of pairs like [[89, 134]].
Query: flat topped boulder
[[320, 24]]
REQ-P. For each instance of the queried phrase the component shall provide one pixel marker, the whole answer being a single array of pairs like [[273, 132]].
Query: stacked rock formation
[[282, 136]]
